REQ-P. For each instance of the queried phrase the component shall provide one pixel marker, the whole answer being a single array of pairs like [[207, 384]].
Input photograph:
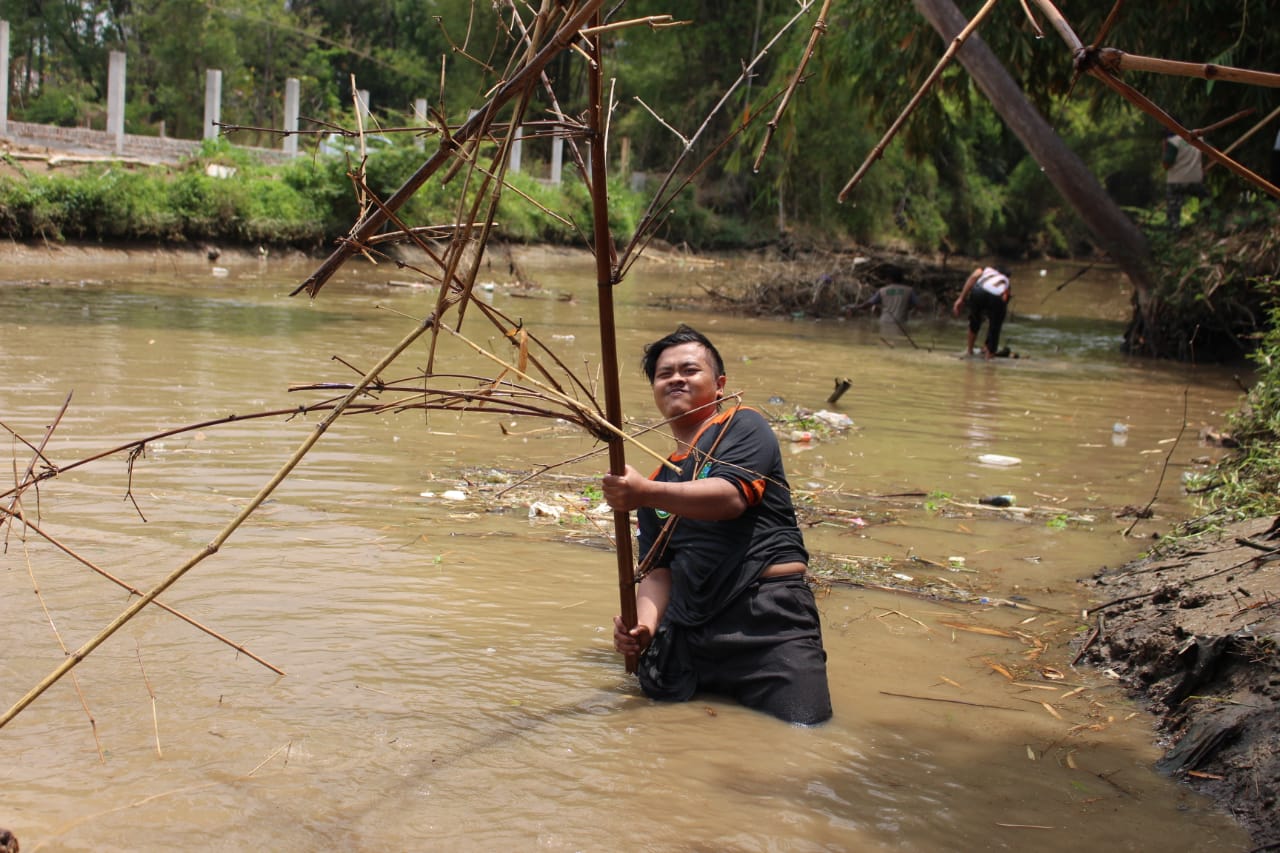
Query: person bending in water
[[723, 606], [986, 292]]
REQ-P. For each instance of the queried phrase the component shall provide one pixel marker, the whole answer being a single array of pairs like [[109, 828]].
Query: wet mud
[[1194, 633]]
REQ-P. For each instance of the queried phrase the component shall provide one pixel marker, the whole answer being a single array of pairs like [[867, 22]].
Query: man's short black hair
[[682, 335]]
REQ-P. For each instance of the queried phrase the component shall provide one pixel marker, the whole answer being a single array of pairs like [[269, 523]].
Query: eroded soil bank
[[1195, 634]]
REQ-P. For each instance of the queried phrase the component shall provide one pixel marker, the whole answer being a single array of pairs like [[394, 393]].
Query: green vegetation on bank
[[305, 203], [956, 180], [1248, 480]]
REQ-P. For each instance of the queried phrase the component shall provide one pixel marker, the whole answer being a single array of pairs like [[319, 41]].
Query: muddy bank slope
[[1194, 632]]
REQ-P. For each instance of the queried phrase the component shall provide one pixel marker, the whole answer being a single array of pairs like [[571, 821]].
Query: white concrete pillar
[[292, 97], [115, 98], [420, 118], [516, 144], [4, 78], [212, 102], [557, 158]]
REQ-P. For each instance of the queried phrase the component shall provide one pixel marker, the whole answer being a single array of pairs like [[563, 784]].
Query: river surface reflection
[[450, 680]]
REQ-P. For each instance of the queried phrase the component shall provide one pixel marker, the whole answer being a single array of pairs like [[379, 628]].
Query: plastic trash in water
[[997, 500], [1120, 427], [997, 459], [801, 435], [835, 420], [539, 509], [454, 495]]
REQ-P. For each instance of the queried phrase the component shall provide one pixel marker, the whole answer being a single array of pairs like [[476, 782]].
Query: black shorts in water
[[764, 650]]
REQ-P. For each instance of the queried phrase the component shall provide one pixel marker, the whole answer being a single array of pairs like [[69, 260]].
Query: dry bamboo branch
[[952, 49], [31, 466], [1246, 135], [684, 140], [658, 206], [370, 224], [1031, 19], [1116, 61], [1084, 61], [818, 31], [653, 22], [606, 255], [75, 682], [155, 716], [593, 417], [1221, 123], [212, 548], [1152, 109], [28, 525]]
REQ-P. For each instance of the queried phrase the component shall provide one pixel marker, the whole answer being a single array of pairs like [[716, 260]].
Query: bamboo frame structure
[[1105, 64], [1094, 61], [536, 382]]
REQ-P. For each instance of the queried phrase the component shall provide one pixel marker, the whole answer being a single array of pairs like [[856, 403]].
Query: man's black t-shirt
[[712, 562]]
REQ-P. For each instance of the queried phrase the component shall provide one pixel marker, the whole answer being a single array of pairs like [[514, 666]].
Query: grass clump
[[1249, 478]]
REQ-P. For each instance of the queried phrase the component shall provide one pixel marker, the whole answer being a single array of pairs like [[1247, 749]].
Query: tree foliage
[[956, 179]]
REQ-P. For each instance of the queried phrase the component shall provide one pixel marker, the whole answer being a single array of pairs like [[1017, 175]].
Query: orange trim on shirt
[[709, 422]]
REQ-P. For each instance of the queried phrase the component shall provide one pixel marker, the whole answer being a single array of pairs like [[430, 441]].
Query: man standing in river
[[723, 606]]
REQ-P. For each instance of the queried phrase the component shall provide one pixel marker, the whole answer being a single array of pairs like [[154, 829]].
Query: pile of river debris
[[1194, 632], [825, 283]]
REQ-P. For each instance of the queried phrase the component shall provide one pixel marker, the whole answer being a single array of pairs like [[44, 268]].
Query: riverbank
[[1194, 634]]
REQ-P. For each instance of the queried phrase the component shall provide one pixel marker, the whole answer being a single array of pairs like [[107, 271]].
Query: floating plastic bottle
[[997, 459], [801, 435], [997, 500]]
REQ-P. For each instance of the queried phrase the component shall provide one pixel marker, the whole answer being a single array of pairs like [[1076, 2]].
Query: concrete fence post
[[557, 158], [292, 96], [4, 78], [212, 102], [420, 117], [517, 142], [115, 98]]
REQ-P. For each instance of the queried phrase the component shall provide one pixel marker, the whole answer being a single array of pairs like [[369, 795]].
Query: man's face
[[685, 379]]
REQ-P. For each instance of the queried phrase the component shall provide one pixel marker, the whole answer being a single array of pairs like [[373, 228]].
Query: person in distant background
[[896, 302], [1184, 176], [986, 293]]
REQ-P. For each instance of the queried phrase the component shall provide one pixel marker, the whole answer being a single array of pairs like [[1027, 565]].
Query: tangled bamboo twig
[[85, 650]]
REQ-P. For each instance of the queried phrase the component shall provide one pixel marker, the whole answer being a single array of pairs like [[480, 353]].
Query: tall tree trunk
[[1114, 231]]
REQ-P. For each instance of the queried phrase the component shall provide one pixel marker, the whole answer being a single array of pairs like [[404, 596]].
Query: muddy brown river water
[[450, 679]]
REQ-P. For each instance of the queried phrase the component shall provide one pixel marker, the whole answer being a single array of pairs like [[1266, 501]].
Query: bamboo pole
[[28, 524], [818, 31], [1086, 62], [952, 49], [212, 548], [604, 250], [1116, 60]]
